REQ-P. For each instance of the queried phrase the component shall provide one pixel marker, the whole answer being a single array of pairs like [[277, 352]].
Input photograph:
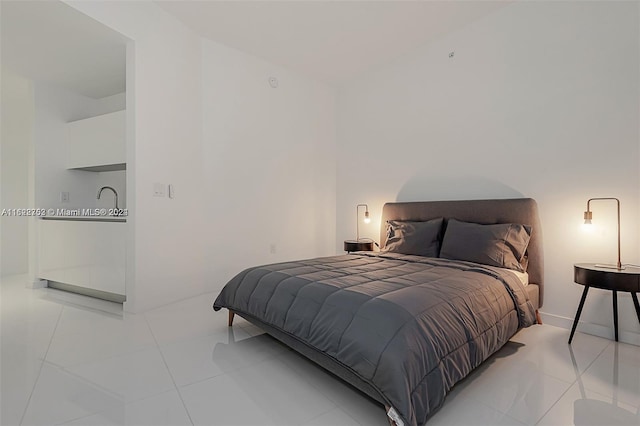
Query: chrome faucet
[[114, 193]]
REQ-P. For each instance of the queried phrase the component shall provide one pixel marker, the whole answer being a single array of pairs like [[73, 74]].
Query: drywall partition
[[538, 99], [17, 131], [260, 186], [165, 259], [269, 163]]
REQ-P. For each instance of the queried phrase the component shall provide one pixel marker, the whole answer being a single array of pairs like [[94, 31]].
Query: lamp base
[[606, 266]]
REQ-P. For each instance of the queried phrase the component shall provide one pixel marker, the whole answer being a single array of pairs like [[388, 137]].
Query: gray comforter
[[409, 326]]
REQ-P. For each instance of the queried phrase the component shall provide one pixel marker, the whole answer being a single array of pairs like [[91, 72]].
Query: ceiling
[[52, 42], [332, 41], [329, 40]]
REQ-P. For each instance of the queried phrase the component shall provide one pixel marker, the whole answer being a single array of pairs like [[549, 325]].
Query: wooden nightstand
[[589, 275], [353, 245]]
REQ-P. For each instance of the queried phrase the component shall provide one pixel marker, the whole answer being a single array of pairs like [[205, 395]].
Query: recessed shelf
[[102, 168]]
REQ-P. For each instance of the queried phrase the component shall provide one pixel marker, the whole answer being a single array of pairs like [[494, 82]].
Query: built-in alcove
[[75, 142]]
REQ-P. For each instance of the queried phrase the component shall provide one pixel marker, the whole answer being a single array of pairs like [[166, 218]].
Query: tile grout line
[[324, 413], [597, 392], [225, 373], [572, 384], [168, 369], [297, 373], [556, 402], [35, 383], [328, 396], [68, 368], [486, 405]]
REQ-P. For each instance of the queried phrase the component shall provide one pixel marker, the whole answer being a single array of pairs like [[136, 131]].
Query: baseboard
[[98, 294], [630, 337], [37, 283]]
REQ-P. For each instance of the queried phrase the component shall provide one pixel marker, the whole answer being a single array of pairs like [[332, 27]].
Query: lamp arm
[[358, 219], [619, 264]]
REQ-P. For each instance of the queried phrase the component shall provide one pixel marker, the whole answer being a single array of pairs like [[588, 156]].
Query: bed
[[405, 324]]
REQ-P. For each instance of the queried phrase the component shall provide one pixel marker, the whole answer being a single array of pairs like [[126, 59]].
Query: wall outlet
[[158, 189], [64, 197], [272, 249]]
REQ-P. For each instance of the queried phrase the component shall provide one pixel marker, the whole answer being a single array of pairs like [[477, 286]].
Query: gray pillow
[[417, 238], [503, 245]]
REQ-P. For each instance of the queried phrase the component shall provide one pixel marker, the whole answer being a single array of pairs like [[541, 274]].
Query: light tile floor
[[71, 360]]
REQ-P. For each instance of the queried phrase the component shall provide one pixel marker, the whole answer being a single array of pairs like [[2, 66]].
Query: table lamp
[[588, 215], [357, 244]]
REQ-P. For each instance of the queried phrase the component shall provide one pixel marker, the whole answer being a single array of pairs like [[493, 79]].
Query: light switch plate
[[158, 189]]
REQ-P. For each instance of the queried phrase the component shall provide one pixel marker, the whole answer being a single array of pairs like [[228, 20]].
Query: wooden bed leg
[[538, 317], [231, 315]]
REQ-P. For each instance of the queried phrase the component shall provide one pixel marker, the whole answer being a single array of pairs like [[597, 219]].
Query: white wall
[[269, 162], [17, 123], [266, 173], [54, 108], [165, 258], [540, 100]]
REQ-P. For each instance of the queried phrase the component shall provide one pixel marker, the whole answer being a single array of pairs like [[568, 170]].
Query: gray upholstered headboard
[[518, 210]]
